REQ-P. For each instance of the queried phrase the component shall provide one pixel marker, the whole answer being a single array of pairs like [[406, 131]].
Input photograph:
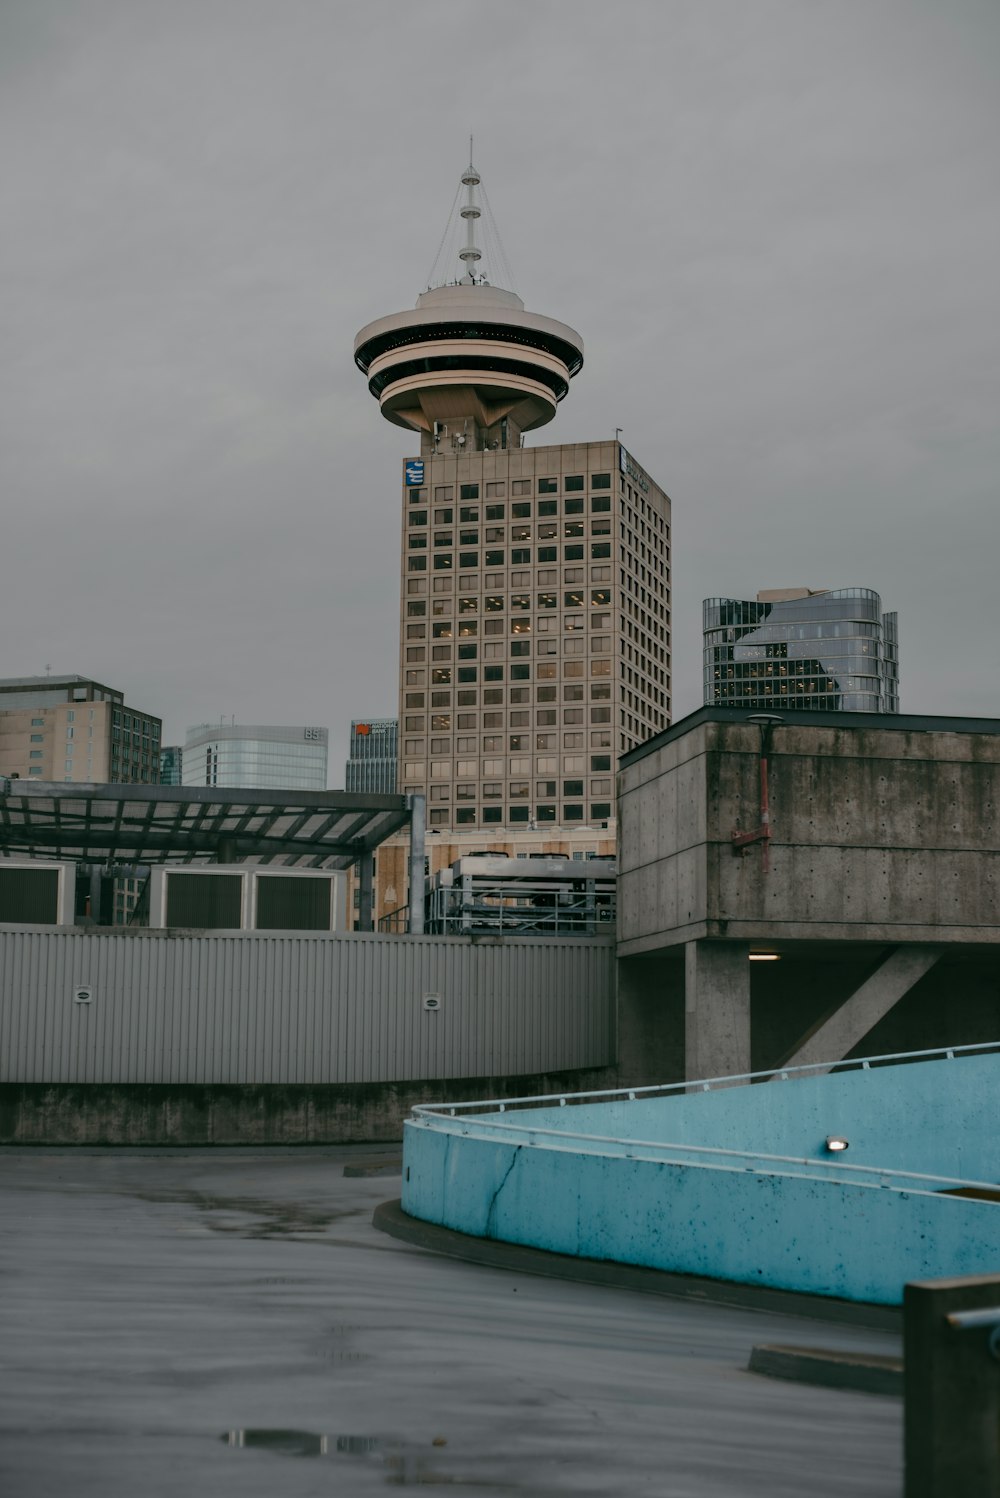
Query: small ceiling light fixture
[[765, 956], [836, 1143]]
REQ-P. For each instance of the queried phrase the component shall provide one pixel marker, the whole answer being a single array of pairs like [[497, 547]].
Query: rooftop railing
[[468, 1119]]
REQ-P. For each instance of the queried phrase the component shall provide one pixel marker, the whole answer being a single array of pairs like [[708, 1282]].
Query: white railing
[[460, 1118]]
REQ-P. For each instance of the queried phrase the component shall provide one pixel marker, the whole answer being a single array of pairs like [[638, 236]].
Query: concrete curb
[[866, 1373], [390, 1218]]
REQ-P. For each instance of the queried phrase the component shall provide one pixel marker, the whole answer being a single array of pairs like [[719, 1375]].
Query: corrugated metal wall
[[172, 1007]]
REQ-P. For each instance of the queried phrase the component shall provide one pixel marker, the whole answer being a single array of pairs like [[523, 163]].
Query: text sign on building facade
[[414, 472], [628, 467]]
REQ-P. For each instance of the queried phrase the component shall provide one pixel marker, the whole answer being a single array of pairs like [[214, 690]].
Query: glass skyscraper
[[256, 756], [832, 650], [371, 768]]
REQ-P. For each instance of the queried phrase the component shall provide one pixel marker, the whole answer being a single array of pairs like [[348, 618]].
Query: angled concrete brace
[[849, 1024]]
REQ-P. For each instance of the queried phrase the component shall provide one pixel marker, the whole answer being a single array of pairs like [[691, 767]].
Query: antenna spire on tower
[[469, 254]]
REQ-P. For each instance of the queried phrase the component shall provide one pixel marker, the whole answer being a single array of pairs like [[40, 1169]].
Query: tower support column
[[716, 1009]]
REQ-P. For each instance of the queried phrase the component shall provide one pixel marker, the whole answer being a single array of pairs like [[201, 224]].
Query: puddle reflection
[[405, 1463]]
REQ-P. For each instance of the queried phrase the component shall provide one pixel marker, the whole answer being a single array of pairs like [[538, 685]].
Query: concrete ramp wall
[[614, 1181]]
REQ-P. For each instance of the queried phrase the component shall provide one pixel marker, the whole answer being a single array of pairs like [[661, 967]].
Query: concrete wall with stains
[[879, 834]]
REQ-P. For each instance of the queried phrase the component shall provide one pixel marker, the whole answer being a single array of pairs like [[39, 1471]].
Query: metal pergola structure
[[147, 824]]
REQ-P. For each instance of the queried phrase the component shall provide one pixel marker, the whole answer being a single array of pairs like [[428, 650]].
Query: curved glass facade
[[834, 651], [255, 756]]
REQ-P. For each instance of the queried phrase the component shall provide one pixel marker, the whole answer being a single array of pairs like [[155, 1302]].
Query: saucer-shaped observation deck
[[468, 358]]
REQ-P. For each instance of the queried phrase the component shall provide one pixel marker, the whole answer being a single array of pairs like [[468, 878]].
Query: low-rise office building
[[74, 728]]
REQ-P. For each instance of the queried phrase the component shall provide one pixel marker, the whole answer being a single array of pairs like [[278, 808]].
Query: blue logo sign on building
[[414, 472]]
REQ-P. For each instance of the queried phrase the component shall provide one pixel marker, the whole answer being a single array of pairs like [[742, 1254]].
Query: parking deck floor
[[229, 1322]]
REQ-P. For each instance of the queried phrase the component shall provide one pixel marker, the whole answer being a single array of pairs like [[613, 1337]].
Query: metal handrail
[[660, 1151], [706, 1084], [451, 1117]]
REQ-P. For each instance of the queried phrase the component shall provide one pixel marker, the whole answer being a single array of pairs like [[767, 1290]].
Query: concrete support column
[[716, 1009]]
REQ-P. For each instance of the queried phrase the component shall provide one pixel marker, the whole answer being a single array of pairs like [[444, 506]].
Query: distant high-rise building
[[372, 764], [171, 764], [74, 728], [256, 756], [830, 649], [535, 603]]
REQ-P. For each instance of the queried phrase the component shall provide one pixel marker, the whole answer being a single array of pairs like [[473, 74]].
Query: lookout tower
[[468, 368]]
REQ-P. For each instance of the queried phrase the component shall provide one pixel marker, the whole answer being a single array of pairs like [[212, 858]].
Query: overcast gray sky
[[776, 224]]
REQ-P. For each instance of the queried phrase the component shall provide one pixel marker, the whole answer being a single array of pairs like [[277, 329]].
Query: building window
[[35, 753], [573, 483], [600, 481], [521, 486], [600, 811], [548, 486], [548, 507], [521, 511], [416, 564]]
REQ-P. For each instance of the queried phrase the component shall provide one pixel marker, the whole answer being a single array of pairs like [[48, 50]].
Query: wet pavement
[[229, 1322]]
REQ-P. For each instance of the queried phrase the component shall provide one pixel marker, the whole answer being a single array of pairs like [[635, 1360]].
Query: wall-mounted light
[[765, 956], [836, 1143]]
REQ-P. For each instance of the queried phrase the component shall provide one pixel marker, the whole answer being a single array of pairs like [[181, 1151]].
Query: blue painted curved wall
[[791, 1226]]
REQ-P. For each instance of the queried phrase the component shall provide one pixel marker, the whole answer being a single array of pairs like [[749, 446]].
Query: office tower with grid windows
[[535, 581], [826, 650]]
